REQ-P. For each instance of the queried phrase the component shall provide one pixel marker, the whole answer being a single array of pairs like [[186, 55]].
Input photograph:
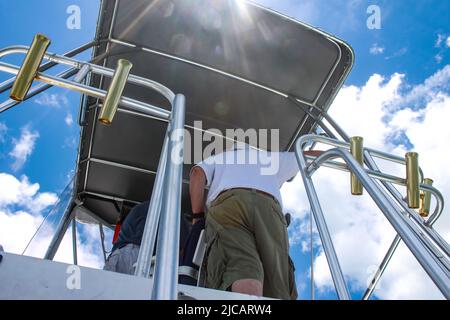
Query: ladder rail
[[395, 217], [327, 242]]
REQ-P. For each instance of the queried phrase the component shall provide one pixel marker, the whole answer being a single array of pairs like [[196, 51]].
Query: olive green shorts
[[246, 236]]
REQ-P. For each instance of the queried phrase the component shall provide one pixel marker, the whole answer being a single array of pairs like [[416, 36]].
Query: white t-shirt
[[248, 168]]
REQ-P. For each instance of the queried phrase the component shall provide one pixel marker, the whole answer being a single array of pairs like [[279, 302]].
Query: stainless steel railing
[[417, 236], [165, 206]]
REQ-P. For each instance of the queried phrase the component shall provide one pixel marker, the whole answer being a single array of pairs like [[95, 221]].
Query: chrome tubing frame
[[167, 194], [396, 218], [143, 267], [427, 227], [60, 231], [386, 181], [327, 242], [7, 84], [10, 103], [94, 92], [165, 279]]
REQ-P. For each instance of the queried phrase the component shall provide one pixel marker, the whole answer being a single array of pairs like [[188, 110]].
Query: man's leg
[[233, 261], [270, 230]]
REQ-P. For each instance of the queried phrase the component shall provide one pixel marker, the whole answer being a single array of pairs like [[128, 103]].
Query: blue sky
[[55, 150], [411, 41]]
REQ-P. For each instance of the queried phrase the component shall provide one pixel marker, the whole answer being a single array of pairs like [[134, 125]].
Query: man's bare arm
[[197, 185]]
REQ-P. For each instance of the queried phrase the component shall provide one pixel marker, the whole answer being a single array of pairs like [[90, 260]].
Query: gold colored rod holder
[[425, 199], [29, 68], [357, 150], [412, 180], [115, 91]]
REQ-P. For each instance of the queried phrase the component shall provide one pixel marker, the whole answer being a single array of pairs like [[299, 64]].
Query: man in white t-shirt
[[246, 230]]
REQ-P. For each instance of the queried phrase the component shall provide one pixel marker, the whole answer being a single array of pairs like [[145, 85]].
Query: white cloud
[[68, 119], [440, 39], [23, 147], [22, 193], [3, 130], [376, 49], [52, 99], [21, 213], [439, 57], [398, 53], [360, 232]]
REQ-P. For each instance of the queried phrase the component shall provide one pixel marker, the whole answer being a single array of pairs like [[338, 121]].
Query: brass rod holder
[[115, 91], [356, 149], [29, 68], [425, 199], [412, 180]]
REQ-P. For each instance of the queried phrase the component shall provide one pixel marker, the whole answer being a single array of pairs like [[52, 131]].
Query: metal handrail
[[7, 84], [394, 192], [386, 179], [58, 59], [327, 242], [166, 196], [10, 103], [392, 179], [165, 278], [393, 247], [93, 92], [394, 216]]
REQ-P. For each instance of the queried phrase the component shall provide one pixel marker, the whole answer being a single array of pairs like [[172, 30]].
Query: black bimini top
[[239, 66]]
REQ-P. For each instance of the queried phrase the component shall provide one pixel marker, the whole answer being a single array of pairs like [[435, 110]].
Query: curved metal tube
[[94, 92], [373, 152], [397, 220], [10, 103], [387, 178], [7, 84], [166, 92], [437, 212], [165, 279]]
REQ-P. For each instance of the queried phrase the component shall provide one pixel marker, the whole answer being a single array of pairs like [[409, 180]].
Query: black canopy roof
[[239, 66]]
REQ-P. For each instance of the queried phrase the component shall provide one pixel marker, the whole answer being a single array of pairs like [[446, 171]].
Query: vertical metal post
[[102, 240], [327, 242], [154, 211], [166, 269], [74, 241], [59, 233], [376, 278]]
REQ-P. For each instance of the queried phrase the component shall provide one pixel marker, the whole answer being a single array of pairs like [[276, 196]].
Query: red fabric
[[116, 233]]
